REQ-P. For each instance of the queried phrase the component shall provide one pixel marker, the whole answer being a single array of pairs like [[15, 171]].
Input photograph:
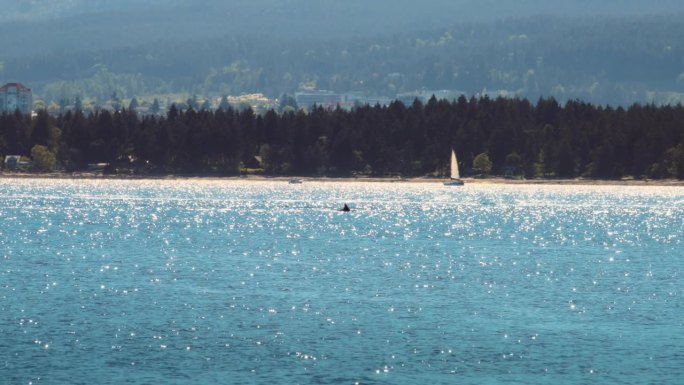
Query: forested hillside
[[500, 136], [603, 52]]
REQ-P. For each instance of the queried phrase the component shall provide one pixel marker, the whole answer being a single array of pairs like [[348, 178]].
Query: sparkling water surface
[[208, 282]]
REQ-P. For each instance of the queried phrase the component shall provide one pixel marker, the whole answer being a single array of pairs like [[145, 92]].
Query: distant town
[[17, 96]]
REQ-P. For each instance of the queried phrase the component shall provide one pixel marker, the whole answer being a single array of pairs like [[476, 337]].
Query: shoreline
[[261, 178]]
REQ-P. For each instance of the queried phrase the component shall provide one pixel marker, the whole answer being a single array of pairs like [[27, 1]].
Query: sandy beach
[[259, 178]]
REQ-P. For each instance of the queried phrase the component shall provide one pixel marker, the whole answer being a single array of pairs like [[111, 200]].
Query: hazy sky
[[24, 23]]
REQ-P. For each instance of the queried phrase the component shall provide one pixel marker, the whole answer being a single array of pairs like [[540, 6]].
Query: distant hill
[[395, 11], [614, 52], [31, 26]]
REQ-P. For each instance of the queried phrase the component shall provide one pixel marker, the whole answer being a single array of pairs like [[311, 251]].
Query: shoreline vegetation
[[492, 137], [360, 179]]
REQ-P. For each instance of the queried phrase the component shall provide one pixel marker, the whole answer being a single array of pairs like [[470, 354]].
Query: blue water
[[207, 282]]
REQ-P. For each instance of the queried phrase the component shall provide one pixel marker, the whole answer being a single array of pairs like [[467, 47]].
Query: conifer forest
[[503, 136]]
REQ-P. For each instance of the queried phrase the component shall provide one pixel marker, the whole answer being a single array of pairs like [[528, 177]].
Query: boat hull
[[455, 182]]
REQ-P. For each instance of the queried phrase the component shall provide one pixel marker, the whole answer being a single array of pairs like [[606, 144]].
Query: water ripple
[[199, 281]]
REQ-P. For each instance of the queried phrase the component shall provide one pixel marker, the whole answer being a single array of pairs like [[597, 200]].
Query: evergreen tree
[[206, 105], [193, 103], [155, 108], [287, 102], [133, 105], [224, 105], [40, 132]]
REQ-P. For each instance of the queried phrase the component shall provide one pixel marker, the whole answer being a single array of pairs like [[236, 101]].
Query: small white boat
[[455, 175], [295, 181]]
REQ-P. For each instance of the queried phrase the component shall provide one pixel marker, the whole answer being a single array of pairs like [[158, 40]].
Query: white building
[[15, 96]]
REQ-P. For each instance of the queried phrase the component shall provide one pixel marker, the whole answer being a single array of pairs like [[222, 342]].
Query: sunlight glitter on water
[[262, 281]]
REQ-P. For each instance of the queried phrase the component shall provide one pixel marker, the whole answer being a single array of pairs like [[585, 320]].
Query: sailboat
[[455, 175]]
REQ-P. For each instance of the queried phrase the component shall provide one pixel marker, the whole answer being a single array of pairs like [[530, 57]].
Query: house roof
[[18, 86]]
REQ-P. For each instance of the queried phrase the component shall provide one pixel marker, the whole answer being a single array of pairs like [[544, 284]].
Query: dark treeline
[[518, 137]]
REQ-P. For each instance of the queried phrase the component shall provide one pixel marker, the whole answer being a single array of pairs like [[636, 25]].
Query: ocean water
[[227, 282]]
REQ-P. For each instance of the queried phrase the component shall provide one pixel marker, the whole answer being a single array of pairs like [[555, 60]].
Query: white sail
[[454, 166]]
